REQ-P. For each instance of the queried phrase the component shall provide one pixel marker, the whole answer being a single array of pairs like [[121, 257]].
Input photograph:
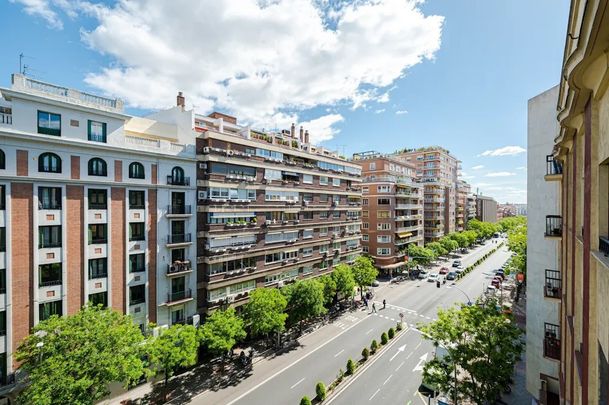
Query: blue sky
[[362, 77]]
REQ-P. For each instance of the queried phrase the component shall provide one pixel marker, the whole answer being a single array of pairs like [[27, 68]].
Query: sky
[[358, 74]]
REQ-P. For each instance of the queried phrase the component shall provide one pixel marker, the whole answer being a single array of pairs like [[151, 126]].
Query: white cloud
[[499, 174], [321, 129], [478, 167], [505, 151], [380, 110], [258, 61], [42, 9], [400, 112], [521, 168]]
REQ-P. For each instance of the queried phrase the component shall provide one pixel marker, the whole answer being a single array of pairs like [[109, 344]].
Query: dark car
[[457, 263], [451, 275]]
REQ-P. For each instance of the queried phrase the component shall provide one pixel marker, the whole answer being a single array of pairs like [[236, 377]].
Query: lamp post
[[469, 301]]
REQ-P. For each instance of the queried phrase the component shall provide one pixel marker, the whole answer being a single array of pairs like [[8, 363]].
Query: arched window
[[49, 163], [177, 175], [2, 160], [98, 167], [136, 171]]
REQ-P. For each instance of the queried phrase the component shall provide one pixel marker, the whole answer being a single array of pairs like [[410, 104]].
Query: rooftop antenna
[[21, 62]]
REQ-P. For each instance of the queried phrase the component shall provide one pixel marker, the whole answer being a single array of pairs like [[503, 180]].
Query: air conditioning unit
[[203, 166], [280, 284], [230, 298], [196, 320], [230, 152], [206, 149]]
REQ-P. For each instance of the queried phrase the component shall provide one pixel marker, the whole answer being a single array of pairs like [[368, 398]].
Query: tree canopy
[[421, 255], [305, 300], [221, 330], [364, 272], [344, 280], [175, 347], [329, 288], [264, 313]]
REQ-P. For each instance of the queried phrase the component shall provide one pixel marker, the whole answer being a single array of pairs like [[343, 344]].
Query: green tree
[[71, 360], [461, 239], [175, 347], [350, 367], [264, 313], [305, 300], [364, 272], [471, 237], [329, 288], [437, 247], [421, 255], [344, 280], [482, 346], [221, 330], [305, 401], [384, 338], [320, 390]]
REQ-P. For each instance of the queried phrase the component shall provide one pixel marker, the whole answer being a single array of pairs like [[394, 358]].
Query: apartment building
[[580, 228], [470, 210], [438, 170], [461, 216], [486, 208], [94, 206], [272, 208], [544, 281], [392, 209]]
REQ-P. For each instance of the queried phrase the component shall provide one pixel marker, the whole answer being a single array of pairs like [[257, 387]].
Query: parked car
[[422, 275], [457, 263], [451, 275], [375, 283], [458, 270], [444, 270], [433, 277]]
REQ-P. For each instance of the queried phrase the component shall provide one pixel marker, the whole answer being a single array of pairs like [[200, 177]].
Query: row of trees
[[516, 228], [71, 360]]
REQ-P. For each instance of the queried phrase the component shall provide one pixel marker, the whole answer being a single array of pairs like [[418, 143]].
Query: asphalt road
[[286, 379]]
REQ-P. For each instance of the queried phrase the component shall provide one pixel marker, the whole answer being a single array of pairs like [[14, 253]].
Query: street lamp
[[469, 301]]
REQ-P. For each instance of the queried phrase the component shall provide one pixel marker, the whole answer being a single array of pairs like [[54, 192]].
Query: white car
[[433, 277]]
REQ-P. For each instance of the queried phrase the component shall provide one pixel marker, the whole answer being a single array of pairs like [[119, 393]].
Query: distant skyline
[[360, 75]]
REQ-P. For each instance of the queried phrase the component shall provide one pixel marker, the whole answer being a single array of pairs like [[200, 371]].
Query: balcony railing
[[179, 209], [553, 166], [178, 181], [179, 295], [179, 267], [551, 348], [6, 118], [553, 284], [553, 225], [50, 205], [49, 283], [49, 244], [179, 238], [136, 301]]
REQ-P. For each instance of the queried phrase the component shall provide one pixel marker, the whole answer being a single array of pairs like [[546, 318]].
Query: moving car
[[444, 270], [451, 275], [457, 263], [433, 277], [422, 275]]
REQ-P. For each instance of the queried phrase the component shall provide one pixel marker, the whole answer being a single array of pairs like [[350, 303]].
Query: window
[[551, 341], [137, 263], [323, 248], [97, 233], [383, 226], [49, 163], [323, 198], [269, 154], [383, 239], [365, 238], [177, 176], [365, 225], [3, 239], [307, 251], [286, 275], [323, 231], [137, 294], [323, 180], [2, 160], [323, 214], [136, 171], [137, 231], [365, 214], [382, 214], [238, 264], [49, 198], [364, 249], [336, 214], [98, 199], [2, 281], [98, 268], [99, 299], [336, 182], [271, 195], [48, 309], [49, 123], [383, 251], [49, 274], [2, 198], [98, 167], [553, 284], [307, 233], [49, 236], [365, 190], [281, 237], [383, 201], [307, 215], [383, 189], [224, 168], [364, 201], [136, 199], [307, 270], [97, 131], [307, 179], [372, 166]]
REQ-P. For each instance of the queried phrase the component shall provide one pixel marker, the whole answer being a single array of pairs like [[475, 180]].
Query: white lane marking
[[428, 317], [419, 366], [337, 354], [422, 316], [400, 349], [401, 364], [303, 378], [373, 395], [388, 378], [419, 345], [369, 331], [411, 353]]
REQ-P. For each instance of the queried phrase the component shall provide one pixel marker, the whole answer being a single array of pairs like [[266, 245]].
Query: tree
[[320, 390], [305, 300], [482, 346], [329, 289], [264, 313], [71, 360], [175, 347], [437, 247], [221, 330], [305, 401], [364, 272], [461, 239], [421, 255], [350, 367], [449, 244], [471, 237], [344, 280]]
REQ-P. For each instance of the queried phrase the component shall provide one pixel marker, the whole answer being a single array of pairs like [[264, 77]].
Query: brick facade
[[75, 244], [118, 171], [75, 167], [152, 252], [117, 254], [22, 163]]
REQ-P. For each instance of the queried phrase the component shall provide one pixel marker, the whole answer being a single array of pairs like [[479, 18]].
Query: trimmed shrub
[[340, 376], [365, 353], [391, 333], [305, 401], [384, 338], [350, 367], [320, 390], [373, 346], [399, 326]]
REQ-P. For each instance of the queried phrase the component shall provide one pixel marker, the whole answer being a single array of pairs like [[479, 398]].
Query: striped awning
[[404, 234]]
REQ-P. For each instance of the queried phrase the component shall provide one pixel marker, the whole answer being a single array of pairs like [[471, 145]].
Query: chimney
[[301, 134], [181, 101], [293, 130], [306, 136]]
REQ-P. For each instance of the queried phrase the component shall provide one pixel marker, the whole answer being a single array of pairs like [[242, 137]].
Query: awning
[[291, 174], [393, 266], [404, 234]]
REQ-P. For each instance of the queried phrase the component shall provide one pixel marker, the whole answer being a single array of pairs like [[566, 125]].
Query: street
[[396, 373]]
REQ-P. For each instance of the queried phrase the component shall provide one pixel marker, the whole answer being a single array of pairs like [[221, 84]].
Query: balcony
[[179, 297], [179, 267], [551, 348], [179, 210], [553, 169], [553, 226], [408, 206], [176, 239], [178, 181], [6, 116]]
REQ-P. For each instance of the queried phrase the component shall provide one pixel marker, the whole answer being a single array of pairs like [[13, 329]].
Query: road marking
[[411, 353], [401, 364], [419, 345], [422, 316], [373, 395], [289, 365], [369, 331], [419, 366], [337, 354], [428, 317], [400, 349], [303, 378], [388, 378]]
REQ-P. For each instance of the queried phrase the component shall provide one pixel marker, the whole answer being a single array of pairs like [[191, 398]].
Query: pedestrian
[[373, 307], [366, 302], [384, 303]]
